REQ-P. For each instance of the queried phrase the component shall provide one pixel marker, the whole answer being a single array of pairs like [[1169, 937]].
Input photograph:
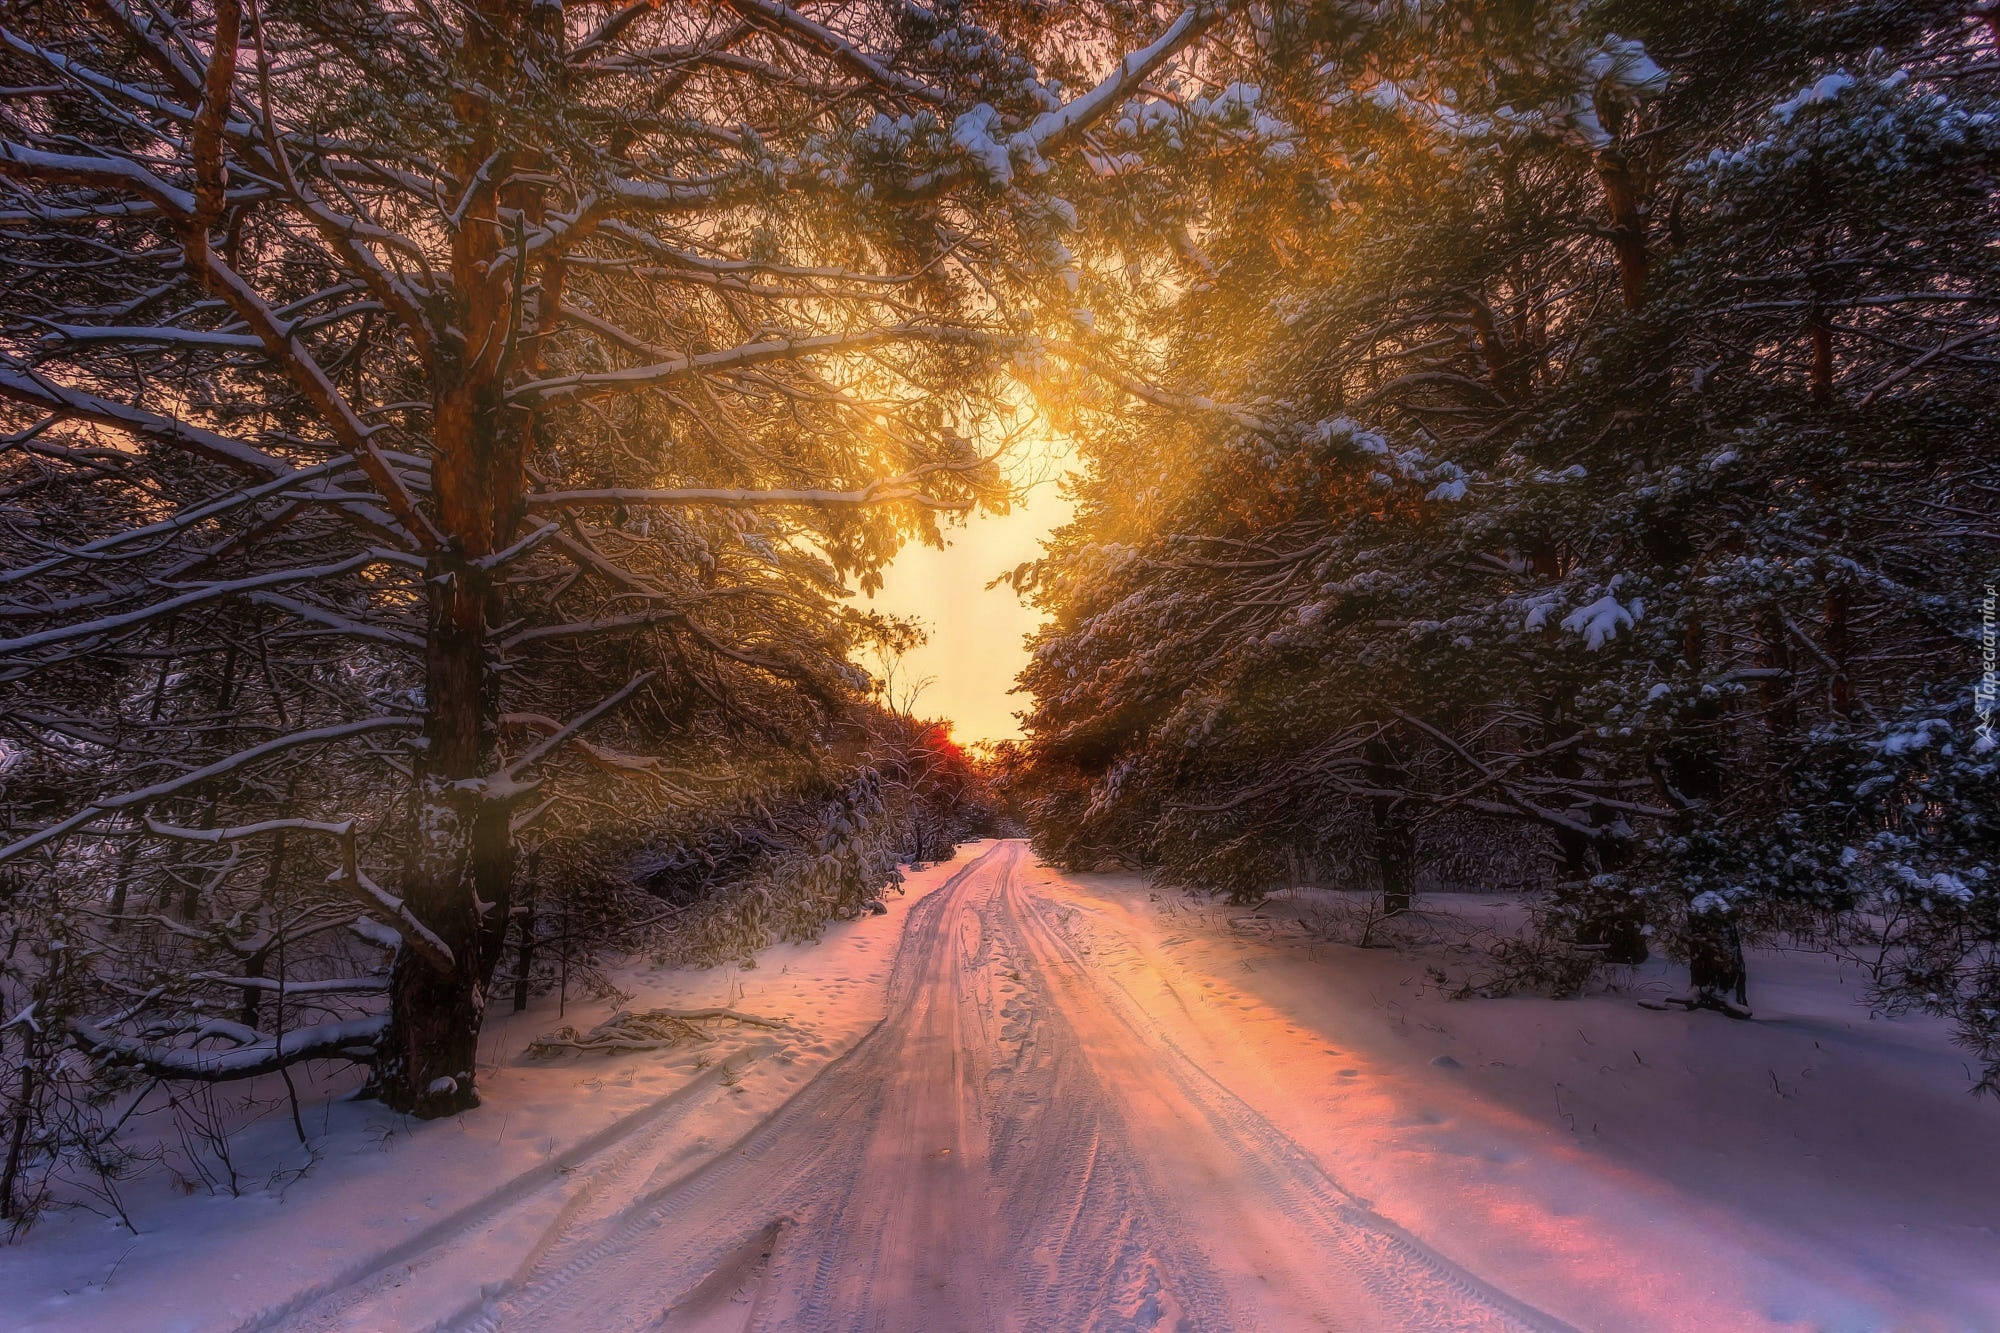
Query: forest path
[[1020, 1144]]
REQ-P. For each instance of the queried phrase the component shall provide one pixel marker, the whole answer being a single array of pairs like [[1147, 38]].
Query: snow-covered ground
[[419, 1216], [1032, 1100]]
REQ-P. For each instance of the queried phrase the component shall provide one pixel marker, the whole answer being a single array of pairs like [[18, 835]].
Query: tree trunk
[[462, 866], [1624, 199], [1395, 833], [493, 882], [33, 1051], [426, 1068], [1392, 863], [122, 886], [1840, 690], [1822, 360], [253, 966], [1781, 705], [1716, 971], [17, 1139], [524, 966]]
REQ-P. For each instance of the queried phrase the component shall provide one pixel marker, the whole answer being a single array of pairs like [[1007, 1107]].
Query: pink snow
[[1270, 1129]]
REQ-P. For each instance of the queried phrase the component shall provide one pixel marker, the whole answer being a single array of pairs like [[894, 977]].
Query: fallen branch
[[646, 1030], [252, 1053]]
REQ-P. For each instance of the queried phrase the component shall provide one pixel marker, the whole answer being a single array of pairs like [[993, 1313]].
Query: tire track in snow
[[638, 1271], [608, 1159], [1410, 1285], [1016, 1145]]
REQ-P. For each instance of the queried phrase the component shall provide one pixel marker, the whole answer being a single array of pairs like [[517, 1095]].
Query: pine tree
[[1587, 437], [400, 393]]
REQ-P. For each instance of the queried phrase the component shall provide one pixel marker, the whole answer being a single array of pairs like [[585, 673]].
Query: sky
[[975, 647]]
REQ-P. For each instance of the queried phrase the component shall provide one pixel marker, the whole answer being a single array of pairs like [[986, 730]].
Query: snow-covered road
[[1019, 1144], [1025, 1099]]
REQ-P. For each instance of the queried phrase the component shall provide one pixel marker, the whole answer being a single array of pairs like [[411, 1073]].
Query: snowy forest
[[1535, 523], [1599, 495]]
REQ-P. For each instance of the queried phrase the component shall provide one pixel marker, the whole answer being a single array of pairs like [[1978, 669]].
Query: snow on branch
[[672, 194], [185, 81], [842, 51], [208, 592], [1154, 395], [38, 391], [214, 836], [191, 217], [288, 989], [615, 761], [622, 17], [339, 624], [512, 774], [1052, 130], [893, 491], [1600, 622], [348, 875], [252, 1054], [242, 759], [601, 625], [736, 358], [186, 518], [118, 174], [284, 346], [416, 936], [160, 335]]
